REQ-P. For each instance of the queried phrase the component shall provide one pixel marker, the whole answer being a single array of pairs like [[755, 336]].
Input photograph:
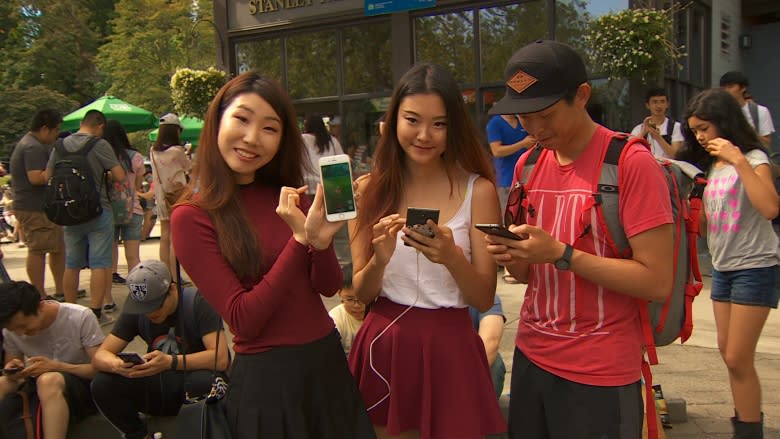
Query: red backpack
[[665, 322]]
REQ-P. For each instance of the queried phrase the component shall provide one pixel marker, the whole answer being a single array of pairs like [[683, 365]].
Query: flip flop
[[508, 278]]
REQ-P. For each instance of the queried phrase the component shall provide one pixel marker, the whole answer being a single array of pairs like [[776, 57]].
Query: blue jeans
[[90, 244], [751, 286], [130, 231]]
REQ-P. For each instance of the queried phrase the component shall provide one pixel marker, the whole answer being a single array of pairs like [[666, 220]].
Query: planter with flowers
[[634, 44]]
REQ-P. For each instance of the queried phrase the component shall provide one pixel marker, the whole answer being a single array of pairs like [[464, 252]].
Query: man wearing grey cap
[[579, 346], [181, 341]]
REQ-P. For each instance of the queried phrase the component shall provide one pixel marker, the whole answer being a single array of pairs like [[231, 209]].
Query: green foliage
[[634, 43], [20, 105], [149, 40], [52, 43], [193, 90]]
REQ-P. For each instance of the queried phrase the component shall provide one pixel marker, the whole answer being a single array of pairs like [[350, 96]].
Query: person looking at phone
[[663, 133], [51, 345], [261, 253], [349, 315], [579, 344], [180, 332], [429, 156]]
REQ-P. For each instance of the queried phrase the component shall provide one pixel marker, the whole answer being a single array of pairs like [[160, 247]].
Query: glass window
[[571, 21], [264, 56], [367, 50], [311, 65], [447, 40], [360, 131], [503, 30]]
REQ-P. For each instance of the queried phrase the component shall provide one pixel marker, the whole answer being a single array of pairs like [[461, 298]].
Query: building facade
[[341, 57]]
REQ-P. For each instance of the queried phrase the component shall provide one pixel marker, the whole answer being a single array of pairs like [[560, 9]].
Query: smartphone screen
[[131, 357], [336, 176]]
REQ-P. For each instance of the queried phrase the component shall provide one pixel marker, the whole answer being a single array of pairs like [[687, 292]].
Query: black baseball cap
[[733, 77], [539, 75]]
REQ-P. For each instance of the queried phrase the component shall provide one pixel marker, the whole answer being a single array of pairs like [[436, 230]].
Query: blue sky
[[600, 7]]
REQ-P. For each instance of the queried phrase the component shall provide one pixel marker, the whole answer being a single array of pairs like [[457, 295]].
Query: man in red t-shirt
[[578, 355]]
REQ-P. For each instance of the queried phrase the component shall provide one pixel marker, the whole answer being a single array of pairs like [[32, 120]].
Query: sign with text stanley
[[248, 14], [378, 7]]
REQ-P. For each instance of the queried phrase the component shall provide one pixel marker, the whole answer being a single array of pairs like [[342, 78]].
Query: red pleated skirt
[[438, 377]]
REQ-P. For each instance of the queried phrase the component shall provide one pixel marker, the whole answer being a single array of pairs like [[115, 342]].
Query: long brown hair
[[383, 194], [218, 193]]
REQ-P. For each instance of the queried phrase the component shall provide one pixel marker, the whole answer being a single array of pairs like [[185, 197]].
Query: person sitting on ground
[[53, 344], [490, 327], [349, 315], [169, 371]]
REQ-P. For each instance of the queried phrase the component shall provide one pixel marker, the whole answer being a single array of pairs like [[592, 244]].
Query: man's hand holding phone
[[12, 370], [154, 362]]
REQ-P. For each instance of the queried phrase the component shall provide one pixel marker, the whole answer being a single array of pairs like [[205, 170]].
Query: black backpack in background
[[71, 196]]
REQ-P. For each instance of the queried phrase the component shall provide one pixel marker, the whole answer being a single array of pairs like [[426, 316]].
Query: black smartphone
[[417, 220], [498, 230], [12, 370], [131, 357]]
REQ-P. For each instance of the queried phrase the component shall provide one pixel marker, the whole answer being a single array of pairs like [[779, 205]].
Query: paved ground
[[693, 372]]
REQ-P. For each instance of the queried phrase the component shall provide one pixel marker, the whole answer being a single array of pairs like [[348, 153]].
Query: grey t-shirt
[[101, 159], [75, 329], [737, 235], [29, 155]]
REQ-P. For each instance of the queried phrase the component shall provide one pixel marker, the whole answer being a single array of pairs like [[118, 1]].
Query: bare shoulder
[[484, 187]]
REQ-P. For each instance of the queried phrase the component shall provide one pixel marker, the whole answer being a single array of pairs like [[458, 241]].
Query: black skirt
[[296, 392]]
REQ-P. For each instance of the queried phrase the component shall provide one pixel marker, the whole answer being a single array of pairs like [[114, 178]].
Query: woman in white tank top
[[419, 364]]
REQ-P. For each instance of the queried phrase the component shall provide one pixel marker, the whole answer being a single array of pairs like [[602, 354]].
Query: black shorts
[[545, 406], [78, 396]]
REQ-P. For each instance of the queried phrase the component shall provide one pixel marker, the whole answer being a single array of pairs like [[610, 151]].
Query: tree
[[19, 106], [53, 43], [149, 40]]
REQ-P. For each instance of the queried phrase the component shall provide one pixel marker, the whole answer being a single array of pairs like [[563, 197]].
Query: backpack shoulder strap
[[530, 164], [88, 146], [607, 192]]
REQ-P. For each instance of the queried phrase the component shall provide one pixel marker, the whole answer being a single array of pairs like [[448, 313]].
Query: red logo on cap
[[521, 81]]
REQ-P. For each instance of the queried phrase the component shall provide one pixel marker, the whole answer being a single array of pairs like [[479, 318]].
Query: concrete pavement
[[693, 372]]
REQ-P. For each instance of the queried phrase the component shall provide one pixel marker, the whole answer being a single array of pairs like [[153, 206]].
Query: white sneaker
[[105, 319]]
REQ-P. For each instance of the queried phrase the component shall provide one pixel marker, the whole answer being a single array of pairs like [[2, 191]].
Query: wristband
[[174, 361]]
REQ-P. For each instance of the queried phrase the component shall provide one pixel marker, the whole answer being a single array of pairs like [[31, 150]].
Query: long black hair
[[116, 136], [722, 110], [314, 125]]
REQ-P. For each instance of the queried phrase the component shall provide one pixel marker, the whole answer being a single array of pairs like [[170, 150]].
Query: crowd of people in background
[[411, 351]]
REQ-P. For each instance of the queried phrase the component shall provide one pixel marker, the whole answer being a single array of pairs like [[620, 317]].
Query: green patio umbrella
[[191, 127], [131, 117]]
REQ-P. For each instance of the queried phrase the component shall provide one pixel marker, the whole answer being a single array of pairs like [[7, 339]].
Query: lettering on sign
[[268, 6]]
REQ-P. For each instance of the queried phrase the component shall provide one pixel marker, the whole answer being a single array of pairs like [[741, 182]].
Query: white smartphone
[[336, 177]]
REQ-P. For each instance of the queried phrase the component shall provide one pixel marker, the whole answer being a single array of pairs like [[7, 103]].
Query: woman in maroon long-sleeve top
[[261, 256]]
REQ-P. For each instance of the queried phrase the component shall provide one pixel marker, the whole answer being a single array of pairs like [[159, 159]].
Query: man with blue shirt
[[508, 141]]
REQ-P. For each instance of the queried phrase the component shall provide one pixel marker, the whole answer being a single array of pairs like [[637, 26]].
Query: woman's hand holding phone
[[320, 231], [439, 249]]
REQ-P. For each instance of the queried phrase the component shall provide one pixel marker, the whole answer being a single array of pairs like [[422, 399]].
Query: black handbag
[[204, 417]]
